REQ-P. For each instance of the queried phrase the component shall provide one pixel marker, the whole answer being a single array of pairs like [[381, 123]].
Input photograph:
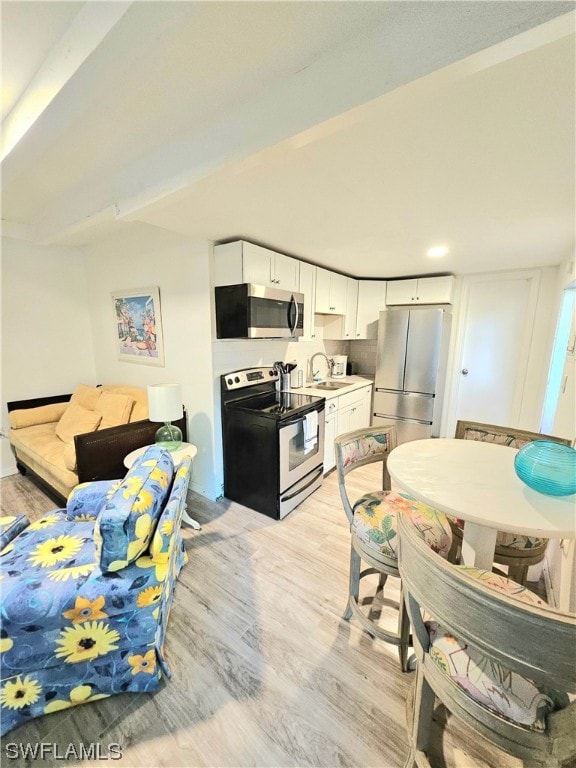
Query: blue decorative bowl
[[547, 467]]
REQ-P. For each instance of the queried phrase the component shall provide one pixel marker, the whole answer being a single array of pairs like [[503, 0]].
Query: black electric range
[[273, 442]]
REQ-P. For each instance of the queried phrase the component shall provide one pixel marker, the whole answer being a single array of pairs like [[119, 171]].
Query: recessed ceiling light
[[438, 250]]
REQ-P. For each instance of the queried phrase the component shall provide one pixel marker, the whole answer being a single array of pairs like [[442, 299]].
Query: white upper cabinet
[[242, 262], [371, 301], [343, 326], [286, 272], [351, 309], [265, 267], [424, 290], [307, 286], [330, 292]]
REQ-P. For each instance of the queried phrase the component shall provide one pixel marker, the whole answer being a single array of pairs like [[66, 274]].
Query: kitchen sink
[[327, 385]]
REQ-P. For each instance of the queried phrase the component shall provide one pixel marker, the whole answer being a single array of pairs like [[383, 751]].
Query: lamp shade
[[164, 402]]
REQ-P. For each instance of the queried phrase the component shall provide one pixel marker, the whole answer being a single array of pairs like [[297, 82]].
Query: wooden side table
[[186, 449]]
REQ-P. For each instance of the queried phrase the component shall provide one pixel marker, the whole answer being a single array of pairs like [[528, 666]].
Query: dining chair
[[495, 655], [516, 551], [373, 526]]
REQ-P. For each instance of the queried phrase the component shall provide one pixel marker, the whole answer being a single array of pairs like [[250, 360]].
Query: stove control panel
[[248, 377]]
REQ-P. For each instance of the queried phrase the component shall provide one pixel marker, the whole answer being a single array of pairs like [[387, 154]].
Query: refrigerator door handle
[[402, 418]]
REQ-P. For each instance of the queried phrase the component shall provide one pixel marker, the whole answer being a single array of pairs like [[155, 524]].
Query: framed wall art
[[138, 325]]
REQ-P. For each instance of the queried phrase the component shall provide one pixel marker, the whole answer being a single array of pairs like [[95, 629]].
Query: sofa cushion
[[41, 450], [75, 421], [87, 499], [42, 414], [114, 408], [498, 689], [86, 396], [69, 456], [138, 394], [126, 522], [375, 522]]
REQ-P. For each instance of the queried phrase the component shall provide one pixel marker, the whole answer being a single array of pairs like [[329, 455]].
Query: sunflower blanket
[[72, 632]]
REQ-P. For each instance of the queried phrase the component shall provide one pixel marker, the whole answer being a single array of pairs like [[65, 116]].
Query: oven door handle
[[317, 474], [298, 419], [293, 312]]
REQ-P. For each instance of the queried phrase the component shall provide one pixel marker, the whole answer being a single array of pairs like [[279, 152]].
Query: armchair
[[87, 592]]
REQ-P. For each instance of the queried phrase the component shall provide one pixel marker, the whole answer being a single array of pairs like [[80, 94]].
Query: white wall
[[147, 256], [46, 333]]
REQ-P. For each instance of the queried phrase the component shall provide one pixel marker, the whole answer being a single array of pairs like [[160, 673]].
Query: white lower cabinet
[[330, 434], [351, 418], [344, 414]]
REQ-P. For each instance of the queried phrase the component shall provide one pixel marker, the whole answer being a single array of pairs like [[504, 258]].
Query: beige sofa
[[70, 439]]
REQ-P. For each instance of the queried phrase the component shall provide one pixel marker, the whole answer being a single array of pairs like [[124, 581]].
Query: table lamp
[[165, 404]]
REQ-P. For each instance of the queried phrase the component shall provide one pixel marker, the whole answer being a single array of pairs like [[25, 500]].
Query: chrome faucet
[[329, 362]]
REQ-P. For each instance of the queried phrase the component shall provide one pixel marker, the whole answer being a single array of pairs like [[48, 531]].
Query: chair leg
[[518, 573], [411, 760], [423, 711], [403, 632], [453, 554], [354, 584], [382, 580]]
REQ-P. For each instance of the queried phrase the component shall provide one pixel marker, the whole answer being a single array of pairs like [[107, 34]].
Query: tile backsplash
[[244, 353], [363, 353]]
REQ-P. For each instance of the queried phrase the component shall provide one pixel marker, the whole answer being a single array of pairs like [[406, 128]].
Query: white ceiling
[[352, 134]]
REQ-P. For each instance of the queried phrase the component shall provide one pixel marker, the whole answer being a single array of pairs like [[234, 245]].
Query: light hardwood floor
[[265, 671]]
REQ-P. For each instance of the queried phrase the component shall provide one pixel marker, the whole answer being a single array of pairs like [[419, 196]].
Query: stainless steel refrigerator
[[411, 369]]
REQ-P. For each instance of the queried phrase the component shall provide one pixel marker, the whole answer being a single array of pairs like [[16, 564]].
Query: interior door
[[497, 327]]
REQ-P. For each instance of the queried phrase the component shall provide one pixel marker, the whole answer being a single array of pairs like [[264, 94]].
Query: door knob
[[464, 371]]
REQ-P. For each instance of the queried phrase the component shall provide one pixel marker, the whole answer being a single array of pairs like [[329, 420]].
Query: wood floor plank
[[265, 672]]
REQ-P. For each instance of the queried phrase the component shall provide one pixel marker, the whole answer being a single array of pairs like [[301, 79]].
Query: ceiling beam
[[83, 36]]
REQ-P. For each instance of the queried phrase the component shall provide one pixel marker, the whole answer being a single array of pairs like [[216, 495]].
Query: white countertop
[[352, 382]]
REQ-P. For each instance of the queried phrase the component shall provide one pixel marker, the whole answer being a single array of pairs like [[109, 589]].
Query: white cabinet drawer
[[350, 398], [331, 406]]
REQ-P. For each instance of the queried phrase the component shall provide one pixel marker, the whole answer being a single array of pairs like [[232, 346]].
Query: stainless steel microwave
[[248, 311]]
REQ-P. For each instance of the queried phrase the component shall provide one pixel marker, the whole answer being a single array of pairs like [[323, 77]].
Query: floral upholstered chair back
[[364, 446], [491, 433]]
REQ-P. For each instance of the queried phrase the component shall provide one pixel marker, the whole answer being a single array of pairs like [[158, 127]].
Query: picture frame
[[138, 326]]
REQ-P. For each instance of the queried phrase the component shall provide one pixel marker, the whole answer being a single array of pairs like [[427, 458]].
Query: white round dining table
[[476, 482]]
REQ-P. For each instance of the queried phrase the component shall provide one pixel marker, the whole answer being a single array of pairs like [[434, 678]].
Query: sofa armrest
[[17, 405], [100, 454], [171, 518], [10, 527], [42, 414]]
